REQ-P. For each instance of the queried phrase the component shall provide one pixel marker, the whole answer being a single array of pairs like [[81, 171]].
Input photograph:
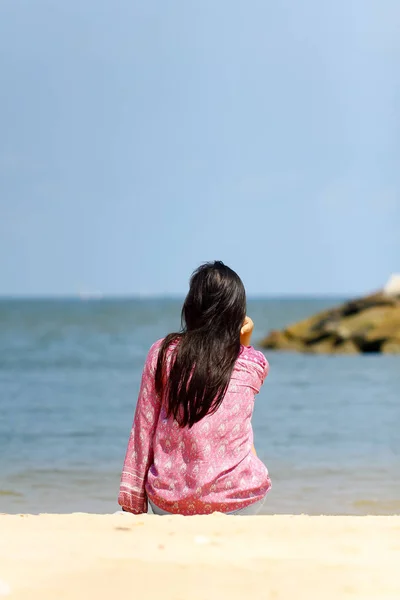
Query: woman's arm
[[139, 455], [246, 331], [245, 340]]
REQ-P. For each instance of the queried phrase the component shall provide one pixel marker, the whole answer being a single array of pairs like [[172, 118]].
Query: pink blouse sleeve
[[257, 363], [139, 455]]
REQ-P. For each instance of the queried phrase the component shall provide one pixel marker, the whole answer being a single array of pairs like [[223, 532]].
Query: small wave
[[378, 505], [10, 493]]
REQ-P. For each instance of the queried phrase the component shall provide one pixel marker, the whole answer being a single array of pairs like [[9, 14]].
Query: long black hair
[[205, 350]]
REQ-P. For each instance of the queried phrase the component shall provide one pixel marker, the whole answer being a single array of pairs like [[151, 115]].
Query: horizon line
[[101, 297]]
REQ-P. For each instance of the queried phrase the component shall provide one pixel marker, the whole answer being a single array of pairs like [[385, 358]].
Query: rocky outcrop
[[369, 324]]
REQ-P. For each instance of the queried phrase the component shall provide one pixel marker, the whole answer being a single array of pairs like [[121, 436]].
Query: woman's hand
[[246, 331]]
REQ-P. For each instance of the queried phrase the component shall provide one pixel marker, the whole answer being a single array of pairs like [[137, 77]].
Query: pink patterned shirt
[[207, 468]]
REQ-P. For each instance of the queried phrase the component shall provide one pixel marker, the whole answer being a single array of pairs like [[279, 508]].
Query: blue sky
[[139, 139]]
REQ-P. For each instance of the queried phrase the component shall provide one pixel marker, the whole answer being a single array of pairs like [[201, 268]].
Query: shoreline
[[78, 556]]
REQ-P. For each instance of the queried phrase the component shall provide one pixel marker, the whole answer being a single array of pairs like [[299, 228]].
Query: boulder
[[278, 340], [391, 346], [388, 327], [324, 346], [359, 304], [347, 347], [331, 345], [368, 324], [358, 326], [337, 321]]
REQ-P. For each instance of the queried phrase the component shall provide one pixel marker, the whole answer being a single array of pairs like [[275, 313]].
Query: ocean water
[[328, 427]]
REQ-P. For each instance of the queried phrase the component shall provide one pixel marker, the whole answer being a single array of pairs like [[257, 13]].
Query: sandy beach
[[82, 556]]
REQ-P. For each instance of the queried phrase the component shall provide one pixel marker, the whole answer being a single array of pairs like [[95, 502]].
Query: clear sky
[[139, 139]]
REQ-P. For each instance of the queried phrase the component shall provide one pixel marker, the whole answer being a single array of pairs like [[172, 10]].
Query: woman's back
[[208, 467]]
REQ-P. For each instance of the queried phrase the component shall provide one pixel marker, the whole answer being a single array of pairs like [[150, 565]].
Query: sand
[[50, 557]]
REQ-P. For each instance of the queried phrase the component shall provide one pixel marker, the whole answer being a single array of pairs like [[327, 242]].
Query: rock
[[391, 346], [278, 340], [332, 322], [358, 326], [389, 327], [331, 345], [347, 347], [325, 346], [311, 328], [359, 304], [369, 324]]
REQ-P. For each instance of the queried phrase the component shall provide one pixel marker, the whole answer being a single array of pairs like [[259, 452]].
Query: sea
[[328, 427]]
